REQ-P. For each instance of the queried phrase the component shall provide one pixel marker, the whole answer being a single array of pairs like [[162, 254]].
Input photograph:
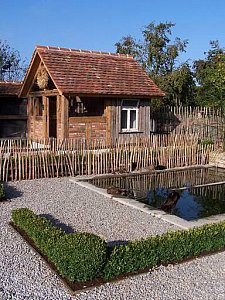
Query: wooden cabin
[[87, 94], [13, 111]]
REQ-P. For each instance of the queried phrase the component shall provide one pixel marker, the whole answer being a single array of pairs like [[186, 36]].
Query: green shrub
[[2, 193], [77, 256], [167, 248], [82, 256]]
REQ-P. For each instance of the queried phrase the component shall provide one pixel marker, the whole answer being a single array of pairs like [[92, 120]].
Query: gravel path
[[23, 275]]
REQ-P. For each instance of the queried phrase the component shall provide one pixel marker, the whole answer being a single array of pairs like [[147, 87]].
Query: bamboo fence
[[33, 159]]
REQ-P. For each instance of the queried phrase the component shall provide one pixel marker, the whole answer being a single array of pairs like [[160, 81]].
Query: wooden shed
[[86, 94], [13, 111]]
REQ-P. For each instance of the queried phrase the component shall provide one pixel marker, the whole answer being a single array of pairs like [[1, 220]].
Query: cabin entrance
[[52, 117]]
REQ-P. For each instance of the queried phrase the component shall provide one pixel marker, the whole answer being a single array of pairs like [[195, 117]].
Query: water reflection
[[187, 207], [194, 203], [198, 198]]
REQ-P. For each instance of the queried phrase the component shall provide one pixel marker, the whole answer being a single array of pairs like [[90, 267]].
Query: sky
[[99, 24]]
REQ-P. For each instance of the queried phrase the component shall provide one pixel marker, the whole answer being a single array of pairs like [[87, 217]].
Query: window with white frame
[[129, 115]]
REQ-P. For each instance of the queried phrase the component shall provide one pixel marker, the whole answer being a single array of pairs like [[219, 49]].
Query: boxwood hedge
[[167, 248], [77, 256], [84, 256]]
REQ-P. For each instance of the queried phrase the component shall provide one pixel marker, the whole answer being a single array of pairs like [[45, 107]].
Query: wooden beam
[[66, 120], [45, 117], [58, 117], [49, 93], [107, 113], [30, 115], [85, 119], [64, 117], [35, 106], [13, 117], [30, 76]]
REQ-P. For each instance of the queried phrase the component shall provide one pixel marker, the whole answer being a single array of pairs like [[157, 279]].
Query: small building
[[13, 111], [86, 94]]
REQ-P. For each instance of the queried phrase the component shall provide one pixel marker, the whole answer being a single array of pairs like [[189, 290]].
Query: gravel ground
[[23, 275]]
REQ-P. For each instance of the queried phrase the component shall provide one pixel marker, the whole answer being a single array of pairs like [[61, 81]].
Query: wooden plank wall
[[143, 119]]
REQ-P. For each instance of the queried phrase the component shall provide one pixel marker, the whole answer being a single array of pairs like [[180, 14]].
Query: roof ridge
[[84, 51]]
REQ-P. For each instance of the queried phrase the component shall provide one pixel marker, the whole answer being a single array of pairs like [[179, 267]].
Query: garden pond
[[201, 190]]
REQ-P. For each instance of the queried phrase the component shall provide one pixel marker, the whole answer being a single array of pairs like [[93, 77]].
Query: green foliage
[[128, 45], [2, 193], [77, 256], [155, 52], [11, 65], [167, 248], [82, 256], [178, 85], [203, 83], [210, 76], [158, 54]]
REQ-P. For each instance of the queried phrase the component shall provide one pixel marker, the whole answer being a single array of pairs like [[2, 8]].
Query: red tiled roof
[[91, 72], [10, 88]]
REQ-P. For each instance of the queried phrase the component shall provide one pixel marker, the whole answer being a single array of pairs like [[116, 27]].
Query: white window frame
[[129, 109]]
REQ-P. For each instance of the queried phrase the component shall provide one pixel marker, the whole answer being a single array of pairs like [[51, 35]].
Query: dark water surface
[[196, 201]]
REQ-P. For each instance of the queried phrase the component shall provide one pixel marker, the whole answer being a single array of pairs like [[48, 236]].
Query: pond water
[[201, 190]]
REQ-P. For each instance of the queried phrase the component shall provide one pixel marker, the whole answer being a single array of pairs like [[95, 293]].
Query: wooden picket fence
[[31, 146], [30, 159], [206, 122]]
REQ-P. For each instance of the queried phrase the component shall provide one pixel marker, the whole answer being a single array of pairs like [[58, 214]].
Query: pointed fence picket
[[32, 159]]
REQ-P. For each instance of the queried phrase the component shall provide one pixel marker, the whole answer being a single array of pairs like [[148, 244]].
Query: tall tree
[[155, 52], [210, 76], [158, 56], [12, 67], [179, 86], [158, 53], [128, 45]]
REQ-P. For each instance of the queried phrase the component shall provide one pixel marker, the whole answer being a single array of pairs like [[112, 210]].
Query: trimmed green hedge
[[77, 256], [2, 193], [167, 248], [84, 256]]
